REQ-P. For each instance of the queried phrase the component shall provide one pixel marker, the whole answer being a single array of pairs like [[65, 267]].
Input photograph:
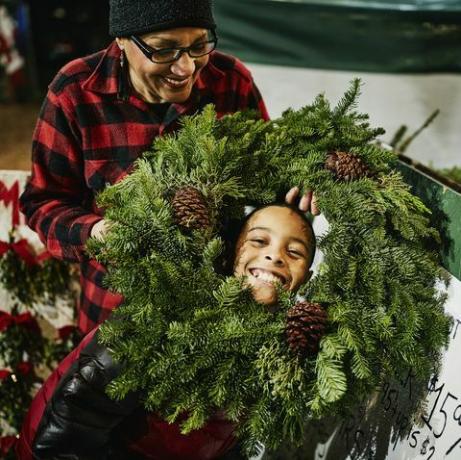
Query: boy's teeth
[[266, 276]]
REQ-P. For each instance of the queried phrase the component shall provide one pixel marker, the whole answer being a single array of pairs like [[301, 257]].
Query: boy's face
[[275, 245]]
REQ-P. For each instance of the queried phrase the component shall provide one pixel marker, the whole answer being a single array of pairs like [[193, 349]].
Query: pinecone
[[346, 166], [190, 209], [305, 327]]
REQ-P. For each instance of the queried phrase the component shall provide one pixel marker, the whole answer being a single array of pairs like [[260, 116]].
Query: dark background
[[49, 34], [61, 30]]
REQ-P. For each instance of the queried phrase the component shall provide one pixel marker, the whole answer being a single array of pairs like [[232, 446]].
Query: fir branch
[[349, 99]]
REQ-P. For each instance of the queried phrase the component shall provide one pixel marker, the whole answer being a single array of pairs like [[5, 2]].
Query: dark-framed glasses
[[167, 55]]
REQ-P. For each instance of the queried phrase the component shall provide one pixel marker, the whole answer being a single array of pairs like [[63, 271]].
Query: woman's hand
[[307, 202]]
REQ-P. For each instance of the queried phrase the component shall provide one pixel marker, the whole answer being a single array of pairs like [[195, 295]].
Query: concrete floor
[[17, 123]]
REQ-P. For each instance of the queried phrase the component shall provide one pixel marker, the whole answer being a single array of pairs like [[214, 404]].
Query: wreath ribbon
[[24, 252], [11, 195]]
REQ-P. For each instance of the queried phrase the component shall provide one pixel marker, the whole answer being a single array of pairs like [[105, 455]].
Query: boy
[[276, 244], [72, 417]]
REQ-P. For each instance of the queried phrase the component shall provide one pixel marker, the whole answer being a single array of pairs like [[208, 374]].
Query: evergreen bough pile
[[195, 342]]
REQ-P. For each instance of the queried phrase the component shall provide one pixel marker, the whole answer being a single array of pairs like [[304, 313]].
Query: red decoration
[[24, 368], [65, 331], [4, 374], [11, 195], [6, 443], [6, 320], [45, 255], [24, 320], [22, 249], [28, 321]]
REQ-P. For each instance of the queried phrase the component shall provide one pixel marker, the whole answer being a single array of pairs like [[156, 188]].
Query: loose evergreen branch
[[401, 144]]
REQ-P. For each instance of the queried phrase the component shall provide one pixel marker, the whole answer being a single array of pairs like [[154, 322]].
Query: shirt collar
[[104, 78]]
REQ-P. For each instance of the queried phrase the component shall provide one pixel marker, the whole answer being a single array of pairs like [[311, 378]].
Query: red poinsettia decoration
[[6, 320], [4, 374], [24, 319], [24, 368], [28, 321], [6, 443], [22, 249], [66, 331]]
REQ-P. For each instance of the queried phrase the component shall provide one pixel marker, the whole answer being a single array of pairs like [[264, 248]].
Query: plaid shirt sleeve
[[54, 199]]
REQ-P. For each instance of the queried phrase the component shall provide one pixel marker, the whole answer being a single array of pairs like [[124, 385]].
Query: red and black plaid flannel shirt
[[88, 135]]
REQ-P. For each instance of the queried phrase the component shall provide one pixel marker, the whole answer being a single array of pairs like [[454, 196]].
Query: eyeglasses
[[167, 55]]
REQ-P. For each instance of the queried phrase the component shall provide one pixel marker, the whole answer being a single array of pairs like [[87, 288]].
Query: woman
[[102, 111]]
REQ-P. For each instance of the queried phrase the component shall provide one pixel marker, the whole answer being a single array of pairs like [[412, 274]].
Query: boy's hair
[[232, 230]]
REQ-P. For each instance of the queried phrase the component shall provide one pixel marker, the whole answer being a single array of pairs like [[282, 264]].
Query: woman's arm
[[57, 202]]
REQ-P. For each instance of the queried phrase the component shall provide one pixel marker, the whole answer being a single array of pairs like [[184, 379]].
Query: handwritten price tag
[[391, 427]]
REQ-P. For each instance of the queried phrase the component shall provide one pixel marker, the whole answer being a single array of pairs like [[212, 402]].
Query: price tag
[[388, 426]]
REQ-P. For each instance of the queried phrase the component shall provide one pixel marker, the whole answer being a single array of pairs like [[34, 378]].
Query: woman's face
[[170, 82], [275, 246]]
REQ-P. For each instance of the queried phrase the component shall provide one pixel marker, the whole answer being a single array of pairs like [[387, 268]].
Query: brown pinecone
[[190, 209], [346, 166], [306, 322]]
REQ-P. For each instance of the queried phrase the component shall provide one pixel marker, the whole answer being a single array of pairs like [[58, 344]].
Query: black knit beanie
[[137, 17]]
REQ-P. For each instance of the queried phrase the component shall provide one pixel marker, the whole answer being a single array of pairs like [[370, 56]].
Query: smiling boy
[[276, 245]]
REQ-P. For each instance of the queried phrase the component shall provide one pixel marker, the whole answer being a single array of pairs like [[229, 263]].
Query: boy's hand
[[307, 202]]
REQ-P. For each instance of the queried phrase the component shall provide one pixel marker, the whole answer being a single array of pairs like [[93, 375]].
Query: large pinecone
[[190, 209], [346, 166], [306, 322]]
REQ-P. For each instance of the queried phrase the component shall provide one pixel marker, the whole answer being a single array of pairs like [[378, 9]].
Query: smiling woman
[[164, 66], [103, 111]]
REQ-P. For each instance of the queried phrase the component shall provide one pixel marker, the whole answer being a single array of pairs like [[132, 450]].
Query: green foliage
[[197, 343], [30, 284], [453, 173], [15, 388], [26, 355]]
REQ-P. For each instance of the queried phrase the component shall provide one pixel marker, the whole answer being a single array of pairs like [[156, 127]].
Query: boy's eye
[[257, 241], [295, 252]]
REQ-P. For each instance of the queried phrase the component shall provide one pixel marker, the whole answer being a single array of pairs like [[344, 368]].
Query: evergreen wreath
[[195, 342]]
